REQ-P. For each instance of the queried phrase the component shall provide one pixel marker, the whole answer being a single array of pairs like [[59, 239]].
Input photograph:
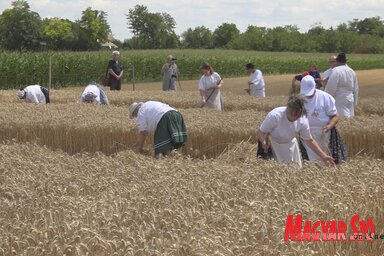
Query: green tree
[[198, 38], [252, 39], [151, 30], [20, 28], [92, 29], [224, 34], [58, 33], [370, 26]]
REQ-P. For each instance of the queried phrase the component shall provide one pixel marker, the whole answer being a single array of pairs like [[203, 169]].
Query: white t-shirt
[[150, 114], [281, 129], [207, 82], [257, 84], [327, 73], [34, 94], [95, 90], [320, 109]]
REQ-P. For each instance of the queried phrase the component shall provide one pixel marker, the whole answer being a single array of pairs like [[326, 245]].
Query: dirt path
[[371, 84]]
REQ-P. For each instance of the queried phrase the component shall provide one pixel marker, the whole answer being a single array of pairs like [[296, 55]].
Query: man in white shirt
[[256, 84], [95, 94], [322, 115], [343, 86], [161, 120], [327, 73], [34, 94]]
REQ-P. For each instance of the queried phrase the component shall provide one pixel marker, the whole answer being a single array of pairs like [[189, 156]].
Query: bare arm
[[163, 69], [141, 137], [112, 73], [332, 123], [264, 139], [312, 144], [203, 99], [218, 84]]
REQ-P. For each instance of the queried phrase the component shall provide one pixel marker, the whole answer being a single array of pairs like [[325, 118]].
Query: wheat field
[[71, 184]]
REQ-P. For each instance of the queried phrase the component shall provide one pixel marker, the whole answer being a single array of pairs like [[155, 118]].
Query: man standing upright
[[343, 86]]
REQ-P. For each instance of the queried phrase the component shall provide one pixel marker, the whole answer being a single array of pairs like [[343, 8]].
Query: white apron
[[257, 92], [322, 139], [287, 153], [215, 100]]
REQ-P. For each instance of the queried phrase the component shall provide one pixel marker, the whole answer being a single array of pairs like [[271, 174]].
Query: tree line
[[23, 29]]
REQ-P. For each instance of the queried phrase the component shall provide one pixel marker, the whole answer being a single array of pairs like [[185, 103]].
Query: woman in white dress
[[209, 87], [279, 131]]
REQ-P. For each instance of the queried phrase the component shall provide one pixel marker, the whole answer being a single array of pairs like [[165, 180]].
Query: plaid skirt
[[171, 132]]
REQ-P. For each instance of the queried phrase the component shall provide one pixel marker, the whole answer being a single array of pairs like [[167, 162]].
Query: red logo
[[329, 230]]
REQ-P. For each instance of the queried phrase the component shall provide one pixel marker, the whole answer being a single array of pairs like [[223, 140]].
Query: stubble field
[[71, 183]]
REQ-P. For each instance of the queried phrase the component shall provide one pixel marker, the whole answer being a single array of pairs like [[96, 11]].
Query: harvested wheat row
[[56, 204]]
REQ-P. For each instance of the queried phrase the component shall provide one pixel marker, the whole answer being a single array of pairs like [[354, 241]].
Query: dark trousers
[[46, 94], [114, 83]]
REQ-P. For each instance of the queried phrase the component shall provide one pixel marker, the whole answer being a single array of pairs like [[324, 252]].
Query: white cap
[[21, 94], [307, 86], [133, 107]]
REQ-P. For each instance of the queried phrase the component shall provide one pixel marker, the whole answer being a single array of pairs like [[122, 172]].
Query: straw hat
[[133, 107]]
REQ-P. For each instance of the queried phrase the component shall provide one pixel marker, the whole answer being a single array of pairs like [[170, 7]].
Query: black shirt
[[116, 66]]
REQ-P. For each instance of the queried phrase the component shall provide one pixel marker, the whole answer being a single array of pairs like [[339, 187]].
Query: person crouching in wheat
[[95, 94], [279, 129], [165, 122], [34, 94]]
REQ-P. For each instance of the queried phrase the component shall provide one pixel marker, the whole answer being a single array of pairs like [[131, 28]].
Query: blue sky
[[211, 13]]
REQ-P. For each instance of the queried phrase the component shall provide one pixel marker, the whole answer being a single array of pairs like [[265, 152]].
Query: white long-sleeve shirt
[[34, 94], [257, 84], [344, 87]]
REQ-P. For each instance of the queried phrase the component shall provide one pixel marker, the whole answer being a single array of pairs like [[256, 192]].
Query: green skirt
[[171, 132]]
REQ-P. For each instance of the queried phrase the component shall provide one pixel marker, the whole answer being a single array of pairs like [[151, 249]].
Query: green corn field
[[77, 68]]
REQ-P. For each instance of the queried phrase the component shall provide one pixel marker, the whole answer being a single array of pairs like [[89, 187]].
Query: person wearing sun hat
[[94, 93], [210, 84], [322, 118], [343, 86], [165, 123], [34, 94]]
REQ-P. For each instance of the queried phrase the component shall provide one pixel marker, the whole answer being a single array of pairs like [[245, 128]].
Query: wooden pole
[[50, 73], [133, 77]]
